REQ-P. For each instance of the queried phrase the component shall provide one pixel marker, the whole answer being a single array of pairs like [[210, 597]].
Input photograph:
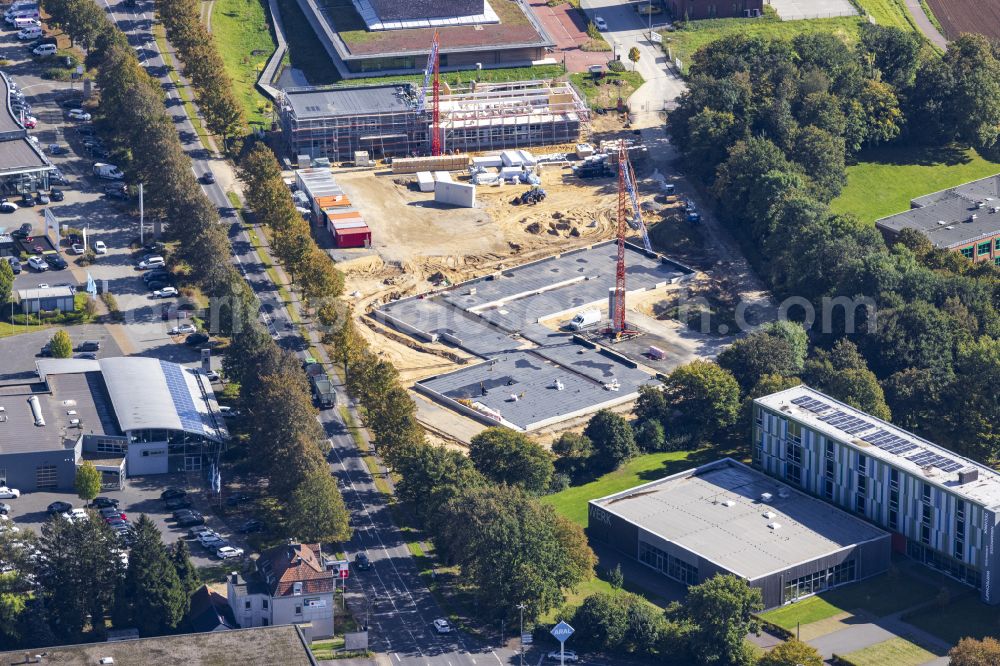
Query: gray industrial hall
[[725, 517]]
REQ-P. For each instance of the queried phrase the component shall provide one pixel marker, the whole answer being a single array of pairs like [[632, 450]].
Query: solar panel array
[[883, 439], [181, 395]]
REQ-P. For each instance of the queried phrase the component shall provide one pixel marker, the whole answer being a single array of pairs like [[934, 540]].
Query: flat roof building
[[386, 120], [381, 37], [23, 167], [725, 517], [130, 416], [941, 508], [964, 219], [47, 299]]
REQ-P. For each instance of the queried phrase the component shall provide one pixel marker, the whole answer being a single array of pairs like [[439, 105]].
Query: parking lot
[[142, 496]]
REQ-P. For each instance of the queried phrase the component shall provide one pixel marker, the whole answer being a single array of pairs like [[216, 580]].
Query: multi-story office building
[[942, 509]]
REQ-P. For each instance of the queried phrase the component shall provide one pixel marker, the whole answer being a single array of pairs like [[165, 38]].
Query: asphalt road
[[401, 607]]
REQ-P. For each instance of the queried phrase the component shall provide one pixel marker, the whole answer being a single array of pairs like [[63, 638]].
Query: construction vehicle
[[532, 196]]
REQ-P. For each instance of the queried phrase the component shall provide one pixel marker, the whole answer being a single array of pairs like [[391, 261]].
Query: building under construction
[[386, 120]]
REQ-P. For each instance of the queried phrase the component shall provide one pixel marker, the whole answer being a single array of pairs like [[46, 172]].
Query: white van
[[21, 4], [108, 171], [585, 319], [22, 23], [44, 50], [31, 32], [10, 17]]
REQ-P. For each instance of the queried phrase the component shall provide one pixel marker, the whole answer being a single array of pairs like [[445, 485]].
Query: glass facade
[[814, 583], [667, 564]]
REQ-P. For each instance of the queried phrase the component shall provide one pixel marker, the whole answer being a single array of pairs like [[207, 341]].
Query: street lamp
[[521, 608]]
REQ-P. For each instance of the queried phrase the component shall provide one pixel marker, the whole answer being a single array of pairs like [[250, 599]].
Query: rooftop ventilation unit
[[968, 475], [949, 227], [36, 411], [774, 526], [972, 218], [942, 222], [770, 515], [766, 497], [783, 493], [728, 503]]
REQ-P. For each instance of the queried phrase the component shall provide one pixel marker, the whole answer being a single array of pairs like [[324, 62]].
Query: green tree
[[78, 574], [16, 587], [6, 282], [187, 574], [972, 397], [707, 397], [723, 609], [430, 475], [975, 95], [634, 54], [88, 481], [821, 155], [505, 456], [650, 436], [792, 653], [972, 652], [613, 440], [573, 451], [152, 596], [60, 345], [758, 354], [316, 512], [513, 549]]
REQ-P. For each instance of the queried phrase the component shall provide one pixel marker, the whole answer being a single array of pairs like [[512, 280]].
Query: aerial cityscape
[[515, 332]]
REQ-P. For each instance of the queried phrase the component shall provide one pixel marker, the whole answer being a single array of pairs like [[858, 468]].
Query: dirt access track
[[958, 16]]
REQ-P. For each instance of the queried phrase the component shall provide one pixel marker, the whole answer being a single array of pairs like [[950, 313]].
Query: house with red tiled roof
[[292, 584]]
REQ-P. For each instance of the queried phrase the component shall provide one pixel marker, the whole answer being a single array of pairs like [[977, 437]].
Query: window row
[[668, 564], [819, 581]]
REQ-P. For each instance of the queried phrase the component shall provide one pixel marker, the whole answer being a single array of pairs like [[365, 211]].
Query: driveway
[[625, 30]]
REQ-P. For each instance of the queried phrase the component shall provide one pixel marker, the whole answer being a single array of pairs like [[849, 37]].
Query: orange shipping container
[[337, 201]]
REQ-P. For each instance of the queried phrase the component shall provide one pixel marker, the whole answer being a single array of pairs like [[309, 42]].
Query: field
[[878, 597], [603, 92], [967, 616], [958, 16], [885, 179], [572, 502], [242, 33], [895, 651], [695, 34]]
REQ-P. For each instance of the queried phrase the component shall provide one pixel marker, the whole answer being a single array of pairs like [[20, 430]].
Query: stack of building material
[[442, 177], [512, 158], [440, 163], [488, 161], [455, 194], [425, 181]]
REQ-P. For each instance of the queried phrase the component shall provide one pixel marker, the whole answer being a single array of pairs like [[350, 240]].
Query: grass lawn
[[889, 13], [500, 75], [696, 34], [325, 649], [878, 596], [967, 616], [605, 91], [572, 502], [885, 179], [8, 329], [243, 36], [895, 651]]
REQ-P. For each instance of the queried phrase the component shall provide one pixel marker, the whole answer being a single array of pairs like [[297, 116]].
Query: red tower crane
[[629, 216], [432, 76]]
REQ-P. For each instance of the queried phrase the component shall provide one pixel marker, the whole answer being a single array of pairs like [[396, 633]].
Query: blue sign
[[562, 631]]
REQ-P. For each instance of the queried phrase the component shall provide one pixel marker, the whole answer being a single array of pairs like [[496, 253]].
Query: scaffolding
[[473, 118]]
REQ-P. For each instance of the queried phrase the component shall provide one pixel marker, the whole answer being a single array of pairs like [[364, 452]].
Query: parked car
[[570, 656], [196, 532], [196, 339], [211, 540], [74, 515], [38, 263], [42, 198], [7, 206], [156, 275], [78, 114], [178, 503], [27, 200], [208, 178], [89, 345], [119, 192], [172, 492], [44, 50], [78, 248], [30, 121], [4, 509], [166, 292], [228, 553], [115, 521], [23, 231], [9, 493], [100, 247], [600, 24], [103, 502], [110, 512], [56, 195], [15, 265], [182, 329], [252, 526], [441, 626], [55, 262], [212, 376], [72, 103], [190, 519], [151, 262], [87, 356], [362, 562]]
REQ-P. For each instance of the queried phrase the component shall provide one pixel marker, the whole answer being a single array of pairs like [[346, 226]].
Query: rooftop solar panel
[[190, 417]]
